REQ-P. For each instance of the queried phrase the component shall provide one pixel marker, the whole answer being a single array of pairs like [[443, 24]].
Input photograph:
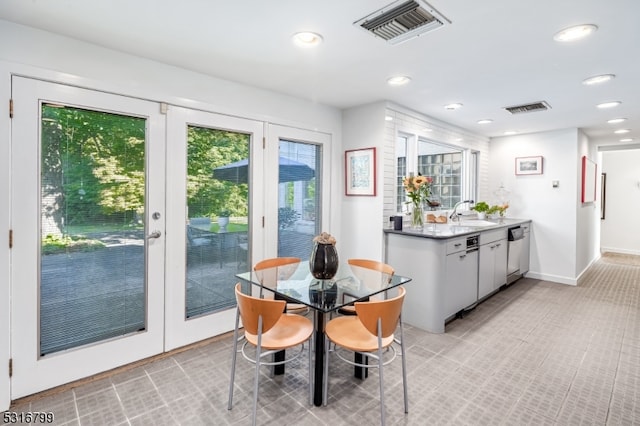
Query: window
[[444, 163]]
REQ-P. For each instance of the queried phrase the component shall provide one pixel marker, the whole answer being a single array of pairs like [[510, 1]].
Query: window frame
[[469, 167]]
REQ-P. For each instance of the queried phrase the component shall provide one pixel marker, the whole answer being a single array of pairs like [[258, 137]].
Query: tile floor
[[537, 353]]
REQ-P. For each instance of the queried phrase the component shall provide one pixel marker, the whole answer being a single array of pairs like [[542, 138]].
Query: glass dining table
[[297, 285]]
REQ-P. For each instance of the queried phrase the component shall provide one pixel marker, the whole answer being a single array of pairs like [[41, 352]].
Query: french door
[[214, 215], [88, 224], [118, 253]]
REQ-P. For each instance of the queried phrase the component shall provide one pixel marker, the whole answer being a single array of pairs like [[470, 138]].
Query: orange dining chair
[[269, 271], [370, 272], [369, 332], [269, 330]]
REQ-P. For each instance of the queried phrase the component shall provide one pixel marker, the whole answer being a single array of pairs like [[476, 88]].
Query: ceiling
[[493, 54]]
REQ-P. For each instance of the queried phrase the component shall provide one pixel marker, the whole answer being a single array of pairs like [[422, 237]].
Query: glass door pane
[[218, 210], [298, 197], [92, 274]]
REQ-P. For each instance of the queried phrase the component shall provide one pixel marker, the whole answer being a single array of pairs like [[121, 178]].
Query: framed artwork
[[589, 176], [603, 194], [529, 165], [360, 171]]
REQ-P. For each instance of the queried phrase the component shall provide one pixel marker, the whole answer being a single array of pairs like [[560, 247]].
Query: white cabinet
[[492, 270], [526, 250], [445, 275], [461, 282]]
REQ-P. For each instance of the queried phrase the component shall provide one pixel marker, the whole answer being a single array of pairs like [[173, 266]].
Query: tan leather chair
[[269, 330], [371, 333], [269, 271], [365, 270]]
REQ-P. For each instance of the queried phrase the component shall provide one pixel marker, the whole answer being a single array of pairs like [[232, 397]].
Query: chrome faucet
[[454, 214]]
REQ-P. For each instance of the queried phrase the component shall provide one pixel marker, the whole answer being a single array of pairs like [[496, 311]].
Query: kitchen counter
[[453, 229], [454, 266]]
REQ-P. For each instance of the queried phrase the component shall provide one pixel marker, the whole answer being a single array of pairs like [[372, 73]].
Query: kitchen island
[[454, 266]]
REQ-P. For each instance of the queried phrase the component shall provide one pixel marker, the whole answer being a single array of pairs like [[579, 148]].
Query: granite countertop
[[453, 229]]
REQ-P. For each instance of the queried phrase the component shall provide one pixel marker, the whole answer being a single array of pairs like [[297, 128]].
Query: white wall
[[363, 127], [552, 210], [619, 230]]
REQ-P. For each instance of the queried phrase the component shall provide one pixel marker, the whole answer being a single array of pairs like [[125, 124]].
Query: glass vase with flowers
[[418, 189]]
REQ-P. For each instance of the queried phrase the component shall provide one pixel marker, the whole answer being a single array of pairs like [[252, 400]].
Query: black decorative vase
[[324, 261]]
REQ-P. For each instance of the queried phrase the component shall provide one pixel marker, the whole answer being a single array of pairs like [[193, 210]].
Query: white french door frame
[[5, 252], [179, 330], [276, 133], [32, 373]]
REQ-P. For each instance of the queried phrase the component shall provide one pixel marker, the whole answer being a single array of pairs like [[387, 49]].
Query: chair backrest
[[387, 310], [269, 271], [371, 273], [251, 308]]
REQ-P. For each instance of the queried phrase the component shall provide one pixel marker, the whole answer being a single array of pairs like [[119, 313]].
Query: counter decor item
[[418, 189], [323, 263], [481, 208]]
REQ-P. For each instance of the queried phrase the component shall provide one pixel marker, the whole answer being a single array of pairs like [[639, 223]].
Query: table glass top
[[296, 284]]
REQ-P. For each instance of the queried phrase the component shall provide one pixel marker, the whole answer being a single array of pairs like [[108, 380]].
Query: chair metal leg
[[404, 369], [380, 374], [257, 372], [233, 360]]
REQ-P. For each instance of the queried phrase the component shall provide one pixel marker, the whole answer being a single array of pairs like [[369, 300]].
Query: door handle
[[154, 234]]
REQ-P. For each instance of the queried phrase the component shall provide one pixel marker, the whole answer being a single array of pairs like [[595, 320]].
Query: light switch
[[555, 183]]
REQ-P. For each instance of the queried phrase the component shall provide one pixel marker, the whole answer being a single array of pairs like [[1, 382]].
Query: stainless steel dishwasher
[[516, 236]]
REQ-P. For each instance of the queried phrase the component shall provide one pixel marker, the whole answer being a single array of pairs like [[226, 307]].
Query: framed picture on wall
[[360, 171], [589, 176], [603, 194], [529, 165]]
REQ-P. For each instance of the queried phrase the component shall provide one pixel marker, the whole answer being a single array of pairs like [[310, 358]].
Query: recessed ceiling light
[[398, 80], [621, 131], [485, 121], [616, 120], [510, 132], [597, 79], [453, 106], [574, 33], [609, 104], [388, 118], [307, 39], [428, 129], [626, 140]]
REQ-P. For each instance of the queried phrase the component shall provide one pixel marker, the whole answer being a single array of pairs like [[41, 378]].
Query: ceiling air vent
[[536, 106], [402, 20]]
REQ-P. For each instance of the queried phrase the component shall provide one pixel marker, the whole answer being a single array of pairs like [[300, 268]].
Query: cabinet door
[[524, 256], [461, 288], [486, 269], [500, 265]]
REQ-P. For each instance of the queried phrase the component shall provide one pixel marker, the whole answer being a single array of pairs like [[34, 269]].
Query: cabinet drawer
[[491, 236], [456, 245]]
